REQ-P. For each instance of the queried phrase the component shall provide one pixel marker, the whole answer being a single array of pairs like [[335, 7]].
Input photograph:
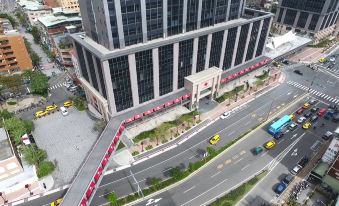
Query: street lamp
[[27, 187], [5, 201]]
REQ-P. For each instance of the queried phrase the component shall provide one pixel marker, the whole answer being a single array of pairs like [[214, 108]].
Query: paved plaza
[[67, 140]]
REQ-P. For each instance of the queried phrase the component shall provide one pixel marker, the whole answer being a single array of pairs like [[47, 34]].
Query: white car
[[332, 59], [296, 169], [225, 115], [301, 119], [64, 111]]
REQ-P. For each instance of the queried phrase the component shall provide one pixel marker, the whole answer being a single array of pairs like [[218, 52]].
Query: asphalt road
[[249, 116]]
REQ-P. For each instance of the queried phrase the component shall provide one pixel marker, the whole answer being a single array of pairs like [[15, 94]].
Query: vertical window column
[[86, 63], [109, 86], [185, 61], [155, 58], [223, 47], [236, 46], [166, 69], [208, 50], [144, 71], [258, 37], [175, 65], [202, 53], [195, 55], [247, 42]]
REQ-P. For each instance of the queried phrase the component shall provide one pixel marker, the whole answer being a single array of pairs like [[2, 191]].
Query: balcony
[[12, 61], [6, 51], [9, 56]]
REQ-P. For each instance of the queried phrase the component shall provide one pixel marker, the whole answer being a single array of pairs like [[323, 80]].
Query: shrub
[[11, 103], [149, 147], [135, 153], [120, 146], [45, 168], [80, 103], [164, 141]]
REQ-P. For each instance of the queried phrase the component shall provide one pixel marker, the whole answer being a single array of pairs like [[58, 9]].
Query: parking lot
[[67, 140]]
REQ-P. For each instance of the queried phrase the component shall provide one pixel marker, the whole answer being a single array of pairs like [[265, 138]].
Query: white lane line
[[18, 202], [263, 154], [167, 169], [204, 192], [215, 174], [281, 141], [331, 99], [236, 162], [247, 123], [322, 95], [139, 181], [229, 134], [189, 189], [191, 157], [245, 167]]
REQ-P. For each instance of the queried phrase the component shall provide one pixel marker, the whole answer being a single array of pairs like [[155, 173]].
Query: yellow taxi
[[322, 60], [307, 125], [306, 105], [51, 108], [56, 202], [68, 103], [215, 139], [292, 116], [39, 114], [270, 144]]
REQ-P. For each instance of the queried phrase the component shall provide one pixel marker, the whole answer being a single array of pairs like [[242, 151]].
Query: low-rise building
[[331, 179], [5, 25], [331, 152], [70, 4], [9, 162], [14, 56], [33, 12]]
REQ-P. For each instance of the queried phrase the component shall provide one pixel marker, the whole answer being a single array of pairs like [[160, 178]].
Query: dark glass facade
[[231, 37], [324, 22], [253, 39], [131, 20], [216, 46], [144, 67], [81, 60], [241, 44], [290, 17], [302, 19], [192, 15], [174, 16], [154, 16], [314, 21], [113, 21], [101, 77], [165, 69], [306, 5], [91, 69], [262, 38], [220, 11], [234, 10], [201, 58], [91, 24], [121, 82], [207, 13], [281, 12], [185, 61]]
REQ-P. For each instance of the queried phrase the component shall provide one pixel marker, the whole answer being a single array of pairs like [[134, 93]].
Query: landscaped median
[[234, 196], [176, 174]]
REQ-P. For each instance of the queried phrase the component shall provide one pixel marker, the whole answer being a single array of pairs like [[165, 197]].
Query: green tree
[[113, 199], [36, 59], [16, 129], [10, 19], [5, 114], [45, 168], [80, 103], [155, 182], [177, 173], [22, 19], [34, 156], [39, 83], [12, 82], [29, 125], [36, 34]]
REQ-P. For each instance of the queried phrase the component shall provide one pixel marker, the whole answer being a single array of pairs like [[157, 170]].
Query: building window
[[144, 67], [207, 13], [313, 22], [220, 11], [185, 61], [91, 69], [113, 21], [165, 69], [230, 43], [253, 39], [81, 59], [131, 20], [302, 19], [290, 17], [154, 15], [201, 58], [101, 77], [241, 44], [234, 9], [306, 5], [262, 38], [121, 83], [216, 46], [192, 15], [174, 16]]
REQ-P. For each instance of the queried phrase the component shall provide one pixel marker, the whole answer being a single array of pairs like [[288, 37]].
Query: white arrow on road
[[152, 201], [294, 136], [295, 152]]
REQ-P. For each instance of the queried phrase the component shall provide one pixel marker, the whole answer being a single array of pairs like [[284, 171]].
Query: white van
[[64, 111]]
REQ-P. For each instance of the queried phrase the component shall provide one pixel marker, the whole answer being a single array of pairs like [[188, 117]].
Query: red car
[[321, 111], [300, 111]]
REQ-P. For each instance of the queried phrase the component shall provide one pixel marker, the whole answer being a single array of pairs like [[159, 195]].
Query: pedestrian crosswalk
[[327, 97], [57, 86], [334, 69]]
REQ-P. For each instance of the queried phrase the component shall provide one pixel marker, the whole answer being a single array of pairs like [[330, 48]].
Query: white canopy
[[280, 40]]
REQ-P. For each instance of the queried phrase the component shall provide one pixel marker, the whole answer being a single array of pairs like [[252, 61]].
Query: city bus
[[276, 127]]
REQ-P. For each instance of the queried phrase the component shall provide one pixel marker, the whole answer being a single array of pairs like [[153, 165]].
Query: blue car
[[280, 188]]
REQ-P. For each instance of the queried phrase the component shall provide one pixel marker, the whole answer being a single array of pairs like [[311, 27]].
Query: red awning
[[90, 190], [247, 69], [112, 145], [104, 161], [129, 120], [148, 112], [252, 67], [235, 75], [223, 80], [158, 107], [121, 129], [98, 174], [116, 139], [186, 96], [168, 103], [110, 150], [83, 202], [177, 100], [241, 72], [138, 116], [257, 65]]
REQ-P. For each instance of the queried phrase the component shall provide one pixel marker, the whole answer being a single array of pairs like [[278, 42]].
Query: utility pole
[[136, 182], [309, 88], [268, 113]]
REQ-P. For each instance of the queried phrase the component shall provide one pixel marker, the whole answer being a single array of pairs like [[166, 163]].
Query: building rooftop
[[5, 147], [60, 10], [51, 20], [204, 75], [37, 7], [24, 3]]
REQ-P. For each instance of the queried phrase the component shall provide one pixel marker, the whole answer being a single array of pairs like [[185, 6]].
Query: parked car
[[307, 125], [225, 115], [292, 126], [308, 114], [321, 111], [296, 170], [306, 105], [68, 104], [298, 72], [39, 114], [314, 109], [329, 114], [312, 101], [300, 111], [314, 118], [280, 188], [257, 150], [288, 179], [64, 111], [335, 118], [301, 119], [327, 135]]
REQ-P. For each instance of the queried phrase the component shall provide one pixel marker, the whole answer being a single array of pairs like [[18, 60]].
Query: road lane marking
[[242, 152], [281, 141], [220, 166], [263, 154], [228, 161], [189, 189], [229, 134], [205, 192], [245, 167], [191, 157], [236, 162], [235, 157], [215, 174], [139, 181]]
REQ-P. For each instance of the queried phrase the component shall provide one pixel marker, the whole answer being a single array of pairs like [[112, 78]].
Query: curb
[[218, 156]]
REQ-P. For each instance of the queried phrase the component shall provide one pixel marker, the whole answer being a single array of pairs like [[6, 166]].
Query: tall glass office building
[[137, 51], [316, 18]]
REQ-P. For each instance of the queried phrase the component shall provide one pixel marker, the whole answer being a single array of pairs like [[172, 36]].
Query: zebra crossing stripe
[[337, 101], [322, 95], [331, 99]]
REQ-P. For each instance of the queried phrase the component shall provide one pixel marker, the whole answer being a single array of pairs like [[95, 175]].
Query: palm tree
[[112, 198], [157, 134], [34, 156]]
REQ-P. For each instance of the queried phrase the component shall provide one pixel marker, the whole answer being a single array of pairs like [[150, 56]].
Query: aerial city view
[[169, 102]]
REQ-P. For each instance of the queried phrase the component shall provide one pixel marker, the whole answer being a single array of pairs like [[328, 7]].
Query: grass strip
[[233, 197]]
